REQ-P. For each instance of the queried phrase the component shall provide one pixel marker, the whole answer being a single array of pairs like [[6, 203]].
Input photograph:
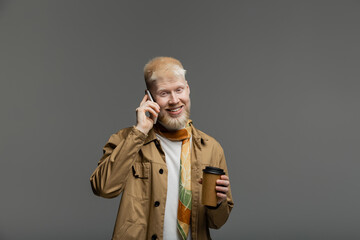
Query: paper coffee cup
[[210, 175]]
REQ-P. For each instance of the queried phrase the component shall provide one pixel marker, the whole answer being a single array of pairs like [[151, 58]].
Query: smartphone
[[149, 94], [151, 99]]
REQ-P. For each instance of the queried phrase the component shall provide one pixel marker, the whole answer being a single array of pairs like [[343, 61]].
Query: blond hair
[[162, 64]]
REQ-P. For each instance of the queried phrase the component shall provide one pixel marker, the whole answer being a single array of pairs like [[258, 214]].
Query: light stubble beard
[[177, 123]]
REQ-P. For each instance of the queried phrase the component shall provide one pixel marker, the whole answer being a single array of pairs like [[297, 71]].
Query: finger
[[222, 196], [157, 105], [151, 104], [151, 111], [224, 183], [154, 105], [144, 109], [224, 177], [145, 98], [222, 189]]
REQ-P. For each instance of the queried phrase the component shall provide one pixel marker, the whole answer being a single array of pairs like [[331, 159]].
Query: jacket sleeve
[[109, 178], [218, 216]]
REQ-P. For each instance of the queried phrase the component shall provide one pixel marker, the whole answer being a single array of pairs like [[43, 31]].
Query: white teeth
[[175, 110]]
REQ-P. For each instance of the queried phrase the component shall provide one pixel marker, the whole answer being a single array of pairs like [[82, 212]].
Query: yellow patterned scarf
[[185, 195]]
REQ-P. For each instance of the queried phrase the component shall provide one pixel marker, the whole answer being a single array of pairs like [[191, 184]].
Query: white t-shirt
[[172, 150]]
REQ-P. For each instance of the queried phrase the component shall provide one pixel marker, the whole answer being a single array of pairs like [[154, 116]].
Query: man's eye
[[163, 94], [179, 90]]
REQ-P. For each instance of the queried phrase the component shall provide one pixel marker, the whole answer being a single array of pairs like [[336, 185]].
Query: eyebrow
[[164, 89]]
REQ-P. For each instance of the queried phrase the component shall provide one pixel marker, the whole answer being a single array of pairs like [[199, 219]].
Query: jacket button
[[154, 237], [157, 143], [161, 171], [157, 203]]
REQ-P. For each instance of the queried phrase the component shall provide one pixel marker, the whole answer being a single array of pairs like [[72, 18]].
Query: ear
[[187, 86]]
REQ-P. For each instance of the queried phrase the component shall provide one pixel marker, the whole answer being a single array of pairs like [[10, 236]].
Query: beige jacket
[[134, 164]]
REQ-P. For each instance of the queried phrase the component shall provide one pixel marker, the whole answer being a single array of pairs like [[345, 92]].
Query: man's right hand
[[143, 122]]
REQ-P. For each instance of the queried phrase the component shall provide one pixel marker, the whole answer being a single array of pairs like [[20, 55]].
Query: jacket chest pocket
[[138, 183], [141, 170]]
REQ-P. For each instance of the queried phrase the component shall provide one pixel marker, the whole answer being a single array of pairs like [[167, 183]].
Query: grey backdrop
[[276, 82]]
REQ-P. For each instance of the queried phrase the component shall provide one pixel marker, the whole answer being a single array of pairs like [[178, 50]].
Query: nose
[[173, 98]]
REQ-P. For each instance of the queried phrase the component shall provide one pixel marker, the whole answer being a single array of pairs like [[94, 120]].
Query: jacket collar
[[150, 137], [199, 137]]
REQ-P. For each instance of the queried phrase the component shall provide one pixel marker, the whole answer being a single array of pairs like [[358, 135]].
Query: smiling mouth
[[175, 110]]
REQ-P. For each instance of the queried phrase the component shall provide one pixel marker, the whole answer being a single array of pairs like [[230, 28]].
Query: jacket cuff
[[217, 206], [139, 133]]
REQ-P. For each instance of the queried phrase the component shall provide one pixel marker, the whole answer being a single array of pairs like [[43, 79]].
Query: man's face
[[172, 93]]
